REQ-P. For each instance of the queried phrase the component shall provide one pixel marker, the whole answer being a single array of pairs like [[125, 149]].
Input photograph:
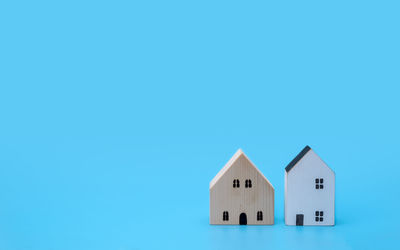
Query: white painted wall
[[301, 197]]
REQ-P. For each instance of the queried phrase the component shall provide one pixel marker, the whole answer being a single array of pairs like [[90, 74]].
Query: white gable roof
[[230, 163], [305, 152]]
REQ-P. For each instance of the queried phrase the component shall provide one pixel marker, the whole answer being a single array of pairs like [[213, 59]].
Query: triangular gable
[[229, 164], [297, 158], [300, 156]]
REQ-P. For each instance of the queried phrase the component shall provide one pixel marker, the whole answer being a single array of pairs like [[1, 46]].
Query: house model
[[309, 191], [240, 194]]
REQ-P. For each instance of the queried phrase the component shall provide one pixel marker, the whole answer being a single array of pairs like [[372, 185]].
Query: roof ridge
[[297, 158], [227, 165], [233, 159]]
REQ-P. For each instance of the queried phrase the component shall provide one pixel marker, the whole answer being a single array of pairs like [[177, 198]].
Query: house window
[[259, 216], [319, 216], [236, 183], [319, 183], [247, 184], [225, 216]]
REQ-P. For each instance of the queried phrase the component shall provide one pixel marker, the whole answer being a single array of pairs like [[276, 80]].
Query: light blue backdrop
[[115, 115]]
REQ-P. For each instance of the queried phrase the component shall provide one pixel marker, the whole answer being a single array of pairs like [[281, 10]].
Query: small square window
[[318, 183], [319, 216]]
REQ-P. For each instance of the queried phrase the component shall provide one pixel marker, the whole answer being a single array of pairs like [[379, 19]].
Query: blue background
[[116, 115]]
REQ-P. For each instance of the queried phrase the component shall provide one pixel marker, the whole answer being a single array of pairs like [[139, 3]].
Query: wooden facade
[[240, 194]]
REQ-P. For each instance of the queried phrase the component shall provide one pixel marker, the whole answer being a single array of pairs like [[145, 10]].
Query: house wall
[[223, 197], [301, 196]]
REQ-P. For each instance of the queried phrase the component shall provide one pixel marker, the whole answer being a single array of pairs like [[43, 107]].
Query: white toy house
[[309, 191], [240, 194]]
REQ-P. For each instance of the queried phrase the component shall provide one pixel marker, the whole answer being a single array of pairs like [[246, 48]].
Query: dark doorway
[[243, 219], [299, 219]]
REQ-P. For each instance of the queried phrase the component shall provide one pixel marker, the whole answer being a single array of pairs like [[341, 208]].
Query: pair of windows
[[225, 216], [247, 183], [319, 183], [319, 216], [259, 216]]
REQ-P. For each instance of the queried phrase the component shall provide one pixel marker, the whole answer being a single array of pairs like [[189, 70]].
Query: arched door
[[243, 219]]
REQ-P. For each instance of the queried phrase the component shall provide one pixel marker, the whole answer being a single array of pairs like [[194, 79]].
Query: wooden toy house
[[240, 194], [309, 191]]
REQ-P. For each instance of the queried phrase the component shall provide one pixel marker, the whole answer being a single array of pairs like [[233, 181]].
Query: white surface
[[301, 196]]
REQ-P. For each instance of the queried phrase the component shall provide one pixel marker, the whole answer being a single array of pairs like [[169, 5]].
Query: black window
[[319, 183], [319, 216], [225, 216], [247, 184], [259, 216], [236, 183]]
